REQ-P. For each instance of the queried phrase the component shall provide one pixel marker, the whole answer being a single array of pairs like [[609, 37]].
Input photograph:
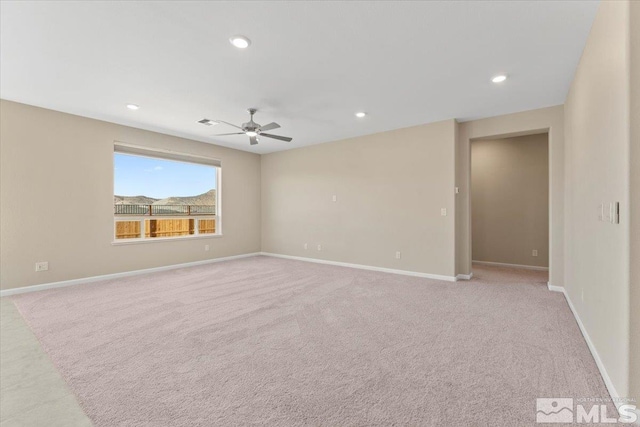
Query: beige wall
[[597, 171], [510, 200], [529, 122], [56, 198], [390, 188], [634, 216]]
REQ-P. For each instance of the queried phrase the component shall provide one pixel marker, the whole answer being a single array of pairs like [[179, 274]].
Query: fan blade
[[270, 126], [253, 140], [281, 138], [227, 123], [225, 134]]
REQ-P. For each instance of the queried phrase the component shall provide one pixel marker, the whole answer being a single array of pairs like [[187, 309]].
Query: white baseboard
[[364, 267], [555, 288], [592, 348], [464, 276], [34, 288], [93, 279], [504, 264]]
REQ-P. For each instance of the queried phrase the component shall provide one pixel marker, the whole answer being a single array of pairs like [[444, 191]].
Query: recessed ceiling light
[[499, 79], [361, 114], [241, 42], [250, 133], [133, 106]]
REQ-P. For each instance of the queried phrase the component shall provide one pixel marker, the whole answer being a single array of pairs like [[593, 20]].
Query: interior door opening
[[510, 201]]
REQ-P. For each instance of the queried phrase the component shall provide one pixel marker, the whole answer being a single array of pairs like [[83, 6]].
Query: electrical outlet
[[457, 190], [306, 246], [534, 252], [42, 266], [335, 198], [206, 247], [398, 255], [443, 211], [319, 247]]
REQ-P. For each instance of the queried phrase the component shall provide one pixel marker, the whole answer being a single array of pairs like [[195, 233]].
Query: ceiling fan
[[253, 130]]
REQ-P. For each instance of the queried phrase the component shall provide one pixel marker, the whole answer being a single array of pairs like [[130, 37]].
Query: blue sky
[[157, 178]]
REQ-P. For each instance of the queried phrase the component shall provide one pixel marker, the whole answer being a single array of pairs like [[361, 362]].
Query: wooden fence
[[130, 229]]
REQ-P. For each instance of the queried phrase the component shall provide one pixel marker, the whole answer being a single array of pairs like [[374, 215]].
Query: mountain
[[205, 199], [133, 200]]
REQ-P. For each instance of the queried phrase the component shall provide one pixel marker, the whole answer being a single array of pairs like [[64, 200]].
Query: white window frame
[[141, 151]]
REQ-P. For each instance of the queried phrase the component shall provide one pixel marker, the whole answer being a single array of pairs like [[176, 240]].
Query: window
[[164, 195]]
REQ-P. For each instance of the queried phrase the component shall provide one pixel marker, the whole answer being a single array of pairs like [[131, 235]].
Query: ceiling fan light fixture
[[241, 42], [253, 129]]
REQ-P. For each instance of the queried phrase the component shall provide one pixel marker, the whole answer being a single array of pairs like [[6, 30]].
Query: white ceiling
[[310, 67]]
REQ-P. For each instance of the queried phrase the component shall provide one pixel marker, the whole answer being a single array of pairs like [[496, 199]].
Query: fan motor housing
[[250, 126]]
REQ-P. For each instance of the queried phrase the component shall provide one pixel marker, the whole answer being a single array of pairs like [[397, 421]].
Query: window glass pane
[[146, 185], [127, 229], [168, 227], [168, 196], [207, 226]]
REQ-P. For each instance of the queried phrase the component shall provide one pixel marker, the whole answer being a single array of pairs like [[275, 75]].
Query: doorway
[[510, 201]]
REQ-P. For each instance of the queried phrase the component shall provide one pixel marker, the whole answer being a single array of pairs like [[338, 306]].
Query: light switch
[[601, 212], [443, 211], [335, 198], [612, 214]]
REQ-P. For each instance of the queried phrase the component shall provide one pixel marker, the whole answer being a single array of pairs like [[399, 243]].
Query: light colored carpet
[[266, 341]]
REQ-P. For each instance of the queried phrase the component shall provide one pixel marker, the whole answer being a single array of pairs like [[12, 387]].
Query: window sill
[[163, 239]]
